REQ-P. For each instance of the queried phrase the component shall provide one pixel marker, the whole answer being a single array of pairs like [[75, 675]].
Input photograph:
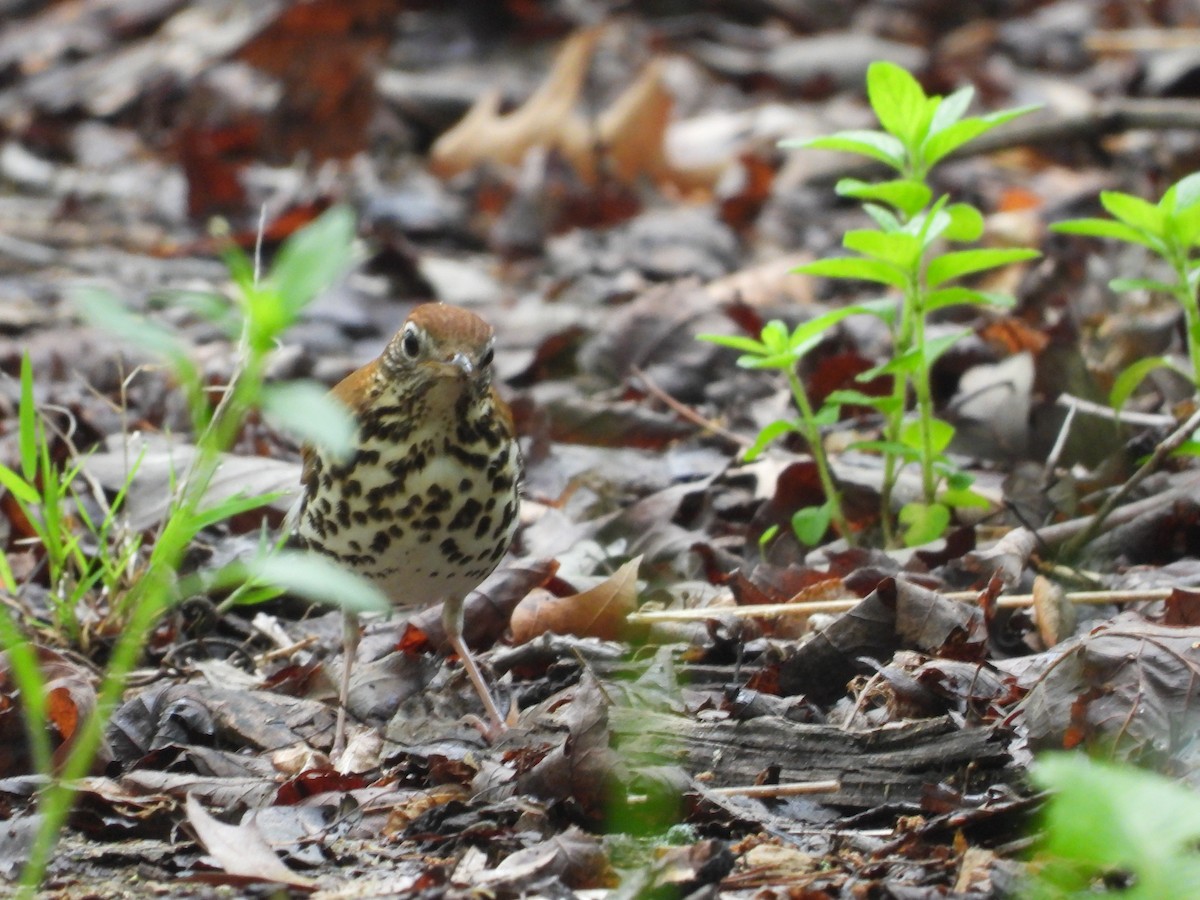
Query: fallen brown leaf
[[241, 850], [599, 612], [625, 142]]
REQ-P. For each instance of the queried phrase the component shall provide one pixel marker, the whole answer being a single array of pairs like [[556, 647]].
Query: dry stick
[[687, 412], [1059, 443], [770, 610], [1125, 416], [1161, 452], [789, 789], [1127, 40], [1186, 489]]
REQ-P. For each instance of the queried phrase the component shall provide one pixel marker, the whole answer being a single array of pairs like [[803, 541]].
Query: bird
[[426, 503]]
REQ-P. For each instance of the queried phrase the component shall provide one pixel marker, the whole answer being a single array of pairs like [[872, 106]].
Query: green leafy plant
[[257, 315], [778, 348], [1171, 230], [1114, 830], [906, 252], [45, 493]]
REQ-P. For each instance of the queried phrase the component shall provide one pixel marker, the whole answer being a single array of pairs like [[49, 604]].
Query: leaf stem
[[812, 433]]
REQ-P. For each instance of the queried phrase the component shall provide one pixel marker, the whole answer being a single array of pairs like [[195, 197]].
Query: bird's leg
[[452, 621], [350, 636]]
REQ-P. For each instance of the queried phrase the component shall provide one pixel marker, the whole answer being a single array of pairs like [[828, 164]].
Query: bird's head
[[440, 344]]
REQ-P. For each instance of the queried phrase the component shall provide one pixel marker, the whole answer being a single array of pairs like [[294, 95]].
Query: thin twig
[[1059, 443], [1186, 486], [772, 610], [1131, 40], [1125, 416], [687, 412], [1164, 449], [258, 242], [790, 789], [284, 652]]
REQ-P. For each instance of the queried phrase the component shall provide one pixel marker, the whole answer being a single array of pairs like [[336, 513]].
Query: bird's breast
[[427, 505]]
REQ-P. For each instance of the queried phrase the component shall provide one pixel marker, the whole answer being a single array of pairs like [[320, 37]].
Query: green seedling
[[1171, 230], [1114, 830], [258, 313], [81, 556], [781, 349], [907, 252]]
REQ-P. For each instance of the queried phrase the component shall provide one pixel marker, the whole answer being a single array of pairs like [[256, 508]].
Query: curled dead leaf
[[241, 850], [626, 141], [599, 612], [1054, 613]]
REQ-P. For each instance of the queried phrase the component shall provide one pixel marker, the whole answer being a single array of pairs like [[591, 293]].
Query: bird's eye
[[486, 359], [411, 343]]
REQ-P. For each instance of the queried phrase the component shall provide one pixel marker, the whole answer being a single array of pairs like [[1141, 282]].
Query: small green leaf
[[811, 523], [1107, 228], [855, 268], [805, 335], [930, 226], [27, 431], [775, 337], [1190, 448], [312, 258], [958, 480], [951, 109], [956, 295], [899, 365], [230, 507], [827, 415], [771, 432], [967, 262], [964, 498], [1103, 818], [924, 522], [18, 487], [1133, 375], [949, 139], [898, 249], [318, 579], [1134, 212], [886, 404], [935, 347], [898, 100], [105, 311], [910, 434], [1185, 225], [1187, 192], [212, 307], [940, 434], [736, 341], [905, 194], [307, 410], [874, 144], [966, 223], [883, 217], [767, 536]]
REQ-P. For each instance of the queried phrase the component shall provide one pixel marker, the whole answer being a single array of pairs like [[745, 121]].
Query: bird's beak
[[463, 363]]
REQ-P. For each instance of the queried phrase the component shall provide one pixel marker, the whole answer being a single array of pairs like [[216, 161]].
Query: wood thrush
[[427, 504]]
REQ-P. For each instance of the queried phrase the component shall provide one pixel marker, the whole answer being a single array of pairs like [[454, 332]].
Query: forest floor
[[617, 190]]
